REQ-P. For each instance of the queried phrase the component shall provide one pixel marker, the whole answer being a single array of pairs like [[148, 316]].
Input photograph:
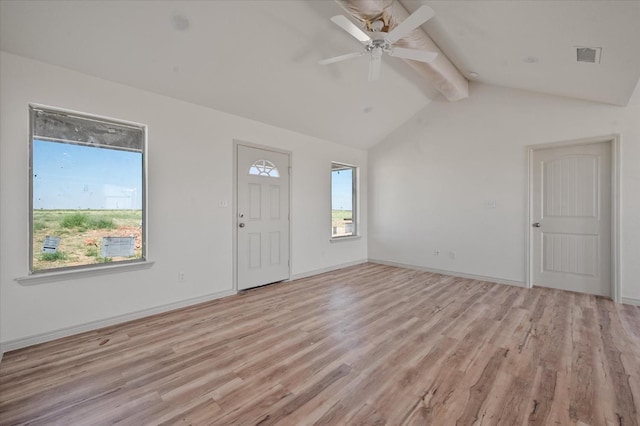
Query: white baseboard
[[630, 301], [451, 273], [328, 269], [12, 345]]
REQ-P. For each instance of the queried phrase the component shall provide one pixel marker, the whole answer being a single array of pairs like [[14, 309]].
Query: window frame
[[86, 268], [354, 199], [260, 168]]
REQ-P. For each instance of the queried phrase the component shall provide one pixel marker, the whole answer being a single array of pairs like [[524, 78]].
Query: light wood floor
[[366, 345]]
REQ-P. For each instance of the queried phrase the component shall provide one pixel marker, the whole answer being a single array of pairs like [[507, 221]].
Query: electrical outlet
[[180, 277], [436, 252], [452, 255]]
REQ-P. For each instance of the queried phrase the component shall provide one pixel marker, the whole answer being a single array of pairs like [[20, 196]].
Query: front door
[[263, 217], [571, 226]]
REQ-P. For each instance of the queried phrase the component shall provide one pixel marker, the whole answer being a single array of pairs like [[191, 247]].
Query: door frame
[[614, 140], [234, 204]]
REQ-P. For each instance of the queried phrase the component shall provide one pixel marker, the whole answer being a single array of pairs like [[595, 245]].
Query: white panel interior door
[[571, 229], [263, 217]]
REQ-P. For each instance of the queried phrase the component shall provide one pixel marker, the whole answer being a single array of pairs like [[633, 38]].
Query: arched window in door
[[264, 168]]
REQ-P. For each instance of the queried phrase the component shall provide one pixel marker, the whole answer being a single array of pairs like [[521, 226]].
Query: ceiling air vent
[[588, 54]]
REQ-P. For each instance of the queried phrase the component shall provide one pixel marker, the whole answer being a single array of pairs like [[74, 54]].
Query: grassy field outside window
[[81, 233]]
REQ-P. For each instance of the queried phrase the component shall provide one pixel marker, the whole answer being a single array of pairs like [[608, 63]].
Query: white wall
[[430, 180], [190, 170]]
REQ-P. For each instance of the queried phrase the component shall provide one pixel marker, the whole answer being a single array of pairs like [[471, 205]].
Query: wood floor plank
[[365, 345], [540, 402]]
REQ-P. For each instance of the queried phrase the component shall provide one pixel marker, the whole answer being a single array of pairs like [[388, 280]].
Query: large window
[[343, 200], [87, 191]]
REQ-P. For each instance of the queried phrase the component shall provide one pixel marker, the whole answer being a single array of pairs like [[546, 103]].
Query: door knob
[[536, 225], [241, 225]]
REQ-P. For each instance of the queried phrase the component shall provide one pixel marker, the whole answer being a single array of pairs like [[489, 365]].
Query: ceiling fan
[[377, 41]]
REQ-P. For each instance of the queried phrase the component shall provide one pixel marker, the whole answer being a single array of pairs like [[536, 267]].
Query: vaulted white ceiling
[[532, 45], [258, 59]]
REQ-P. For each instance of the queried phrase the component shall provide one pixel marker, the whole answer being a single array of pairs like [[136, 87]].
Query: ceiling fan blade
[[413, 21], [375, 63], [340, 58], [413, 54], [351, 28]]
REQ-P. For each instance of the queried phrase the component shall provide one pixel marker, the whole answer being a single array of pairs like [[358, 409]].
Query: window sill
[[349, 238], [47, 277]]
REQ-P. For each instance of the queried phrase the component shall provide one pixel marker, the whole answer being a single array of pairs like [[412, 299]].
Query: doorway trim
[[234, 205], [614, 140]]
